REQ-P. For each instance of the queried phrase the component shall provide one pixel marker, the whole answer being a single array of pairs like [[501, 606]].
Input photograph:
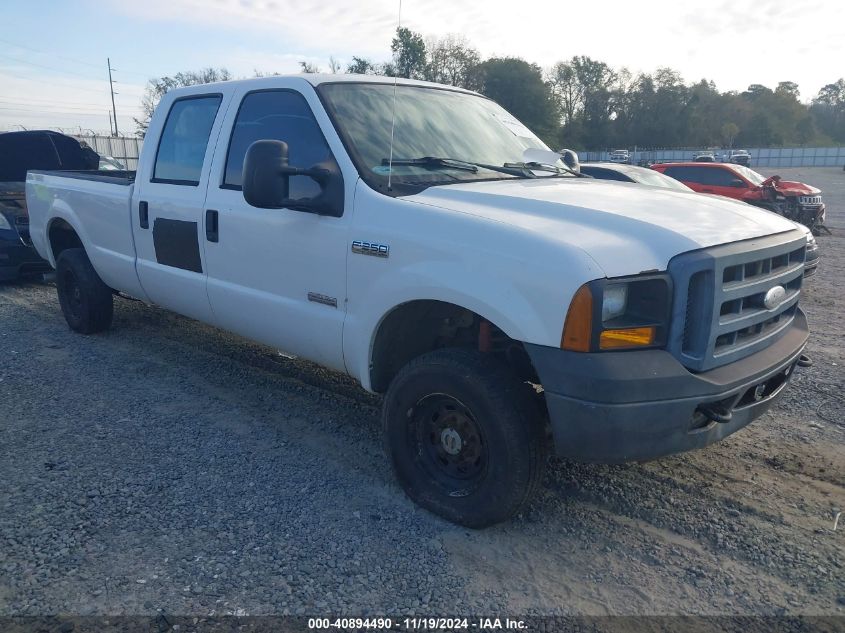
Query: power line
[[62, 80], [34, 101], [35, 50], [70, 59], [59, 81], [25, 107], [53, 68], [37, 110]]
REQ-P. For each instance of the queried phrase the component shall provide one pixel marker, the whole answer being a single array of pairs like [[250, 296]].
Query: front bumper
[[819, 212], [811, 263], [16, 258], [636, 405]]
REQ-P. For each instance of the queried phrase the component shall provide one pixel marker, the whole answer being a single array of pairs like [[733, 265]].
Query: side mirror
[[266, 181], [570, 159]]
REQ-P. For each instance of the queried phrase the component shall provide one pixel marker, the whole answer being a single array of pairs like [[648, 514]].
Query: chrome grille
[[719, 314]]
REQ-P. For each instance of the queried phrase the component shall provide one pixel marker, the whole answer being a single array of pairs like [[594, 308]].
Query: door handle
[[211, 231], [143, 214]]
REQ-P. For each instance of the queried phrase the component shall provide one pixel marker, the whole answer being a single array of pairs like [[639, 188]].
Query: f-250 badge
[[370, 248]]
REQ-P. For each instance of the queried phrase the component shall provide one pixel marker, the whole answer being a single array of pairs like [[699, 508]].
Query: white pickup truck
[[414, 236]]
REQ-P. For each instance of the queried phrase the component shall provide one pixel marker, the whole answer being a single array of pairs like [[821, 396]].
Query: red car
[[794, 200]]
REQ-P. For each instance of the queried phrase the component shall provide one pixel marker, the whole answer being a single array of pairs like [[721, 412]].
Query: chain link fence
[[121, 148], [760, 156]]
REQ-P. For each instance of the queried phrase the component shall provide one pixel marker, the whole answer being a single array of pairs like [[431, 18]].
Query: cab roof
[[316, 79]]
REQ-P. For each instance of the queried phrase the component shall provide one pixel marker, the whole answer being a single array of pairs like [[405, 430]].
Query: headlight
[[615, 314], [4, 223], [613, 301]]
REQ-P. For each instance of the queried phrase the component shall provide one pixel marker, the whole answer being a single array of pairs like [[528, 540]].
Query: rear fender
[[60, 210]]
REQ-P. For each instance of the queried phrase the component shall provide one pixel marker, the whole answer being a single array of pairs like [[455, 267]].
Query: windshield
[[752, 176], [656, 179], [430, 122]]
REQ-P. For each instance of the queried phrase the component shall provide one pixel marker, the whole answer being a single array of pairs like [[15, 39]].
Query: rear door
[[693, 177], [167, 215]]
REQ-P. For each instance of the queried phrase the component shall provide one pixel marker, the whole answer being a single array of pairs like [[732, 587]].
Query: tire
[[86, 301], [464, 438]]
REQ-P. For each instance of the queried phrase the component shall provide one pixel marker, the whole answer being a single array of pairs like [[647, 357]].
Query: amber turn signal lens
[[631, 337], [578, 328]]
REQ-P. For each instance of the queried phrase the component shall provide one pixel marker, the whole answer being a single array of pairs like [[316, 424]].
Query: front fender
[[519, 280], [511, 309]]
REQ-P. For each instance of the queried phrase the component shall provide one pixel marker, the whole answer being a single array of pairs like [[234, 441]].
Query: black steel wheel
[[465, 439], [87, 302], [449, 441]]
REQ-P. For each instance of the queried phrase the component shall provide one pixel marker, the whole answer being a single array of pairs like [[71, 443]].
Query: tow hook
[[805, 361], [716, 413]]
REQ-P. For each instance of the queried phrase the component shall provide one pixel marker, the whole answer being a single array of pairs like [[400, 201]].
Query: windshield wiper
[[433, 161], [550, 168], [456, 163]]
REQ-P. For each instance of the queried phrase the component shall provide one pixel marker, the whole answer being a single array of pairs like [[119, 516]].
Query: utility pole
[[111, 85], [111, 131]]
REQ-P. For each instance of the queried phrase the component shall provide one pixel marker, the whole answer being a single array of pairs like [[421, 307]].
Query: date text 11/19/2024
[[417, 624]]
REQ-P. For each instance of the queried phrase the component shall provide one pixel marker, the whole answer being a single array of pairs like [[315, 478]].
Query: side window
[[184, 140], [279, 115], [722, 177], [711, 176], [684, 174]]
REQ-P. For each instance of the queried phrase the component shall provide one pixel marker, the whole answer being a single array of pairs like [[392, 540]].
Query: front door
[[168, 207], [276, 275], [724, 181]]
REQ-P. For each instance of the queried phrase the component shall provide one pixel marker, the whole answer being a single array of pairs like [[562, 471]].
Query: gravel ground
[[167, 466]]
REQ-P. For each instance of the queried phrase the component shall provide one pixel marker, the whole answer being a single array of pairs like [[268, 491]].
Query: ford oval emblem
[[774, 297]]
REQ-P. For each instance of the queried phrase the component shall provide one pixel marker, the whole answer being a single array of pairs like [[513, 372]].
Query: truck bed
[[117, 177], [97, 206]]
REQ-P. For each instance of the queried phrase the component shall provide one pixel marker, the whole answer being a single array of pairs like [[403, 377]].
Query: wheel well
[[418, 327], [62, 237]]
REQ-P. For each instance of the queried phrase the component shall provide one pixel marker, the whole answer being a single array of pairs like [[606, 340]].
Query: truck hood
[[790, 188], [625, 228]]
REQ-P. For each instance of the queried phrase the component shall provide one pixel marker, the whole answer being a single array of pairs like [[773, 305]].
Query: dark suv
[[20, 152]]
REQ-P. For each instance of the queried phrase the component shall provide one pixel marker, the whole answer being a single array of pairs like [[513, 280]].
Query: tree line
[[584, 103]]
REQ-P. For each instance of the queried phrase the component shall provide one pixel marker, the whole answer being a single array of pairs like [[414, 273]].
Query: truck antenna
[[393, 115]]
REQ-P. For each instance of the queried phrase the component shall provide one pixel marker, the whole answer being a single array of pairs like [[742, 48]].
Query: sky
[[53, 54]]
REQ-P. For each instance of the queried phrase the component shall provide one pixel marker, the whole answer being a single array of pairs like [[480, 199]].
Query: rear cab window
[[184, 140]]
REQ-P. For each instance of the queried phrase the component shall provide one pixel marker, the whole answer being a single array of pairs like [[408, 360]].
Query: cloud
[[342, 24], [41, 99], [735, 43]]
